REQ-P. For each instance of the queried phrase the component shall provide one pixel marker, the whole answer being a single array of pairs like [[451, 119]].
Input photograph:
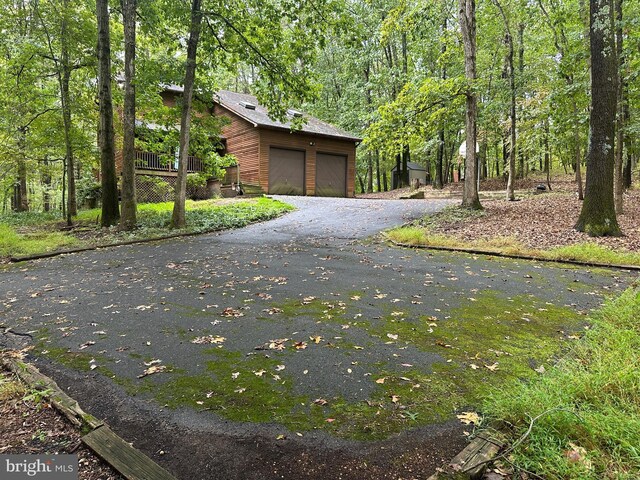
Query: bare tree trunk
[[369, 173], [578, 169], [598, 214], [46, 183], [467, 17], [618, 179], [128, 219], [385, 182], [522, 172], [511, 195], [64, 76], [439, 183], [22, 195], [547, 153], [178, 219], [110, 212], [378, 184], [628, 167]]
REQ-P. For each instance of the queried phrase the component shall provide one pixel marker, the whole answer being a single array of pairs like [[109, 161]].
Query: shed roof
[[235, 102], [413, 166]]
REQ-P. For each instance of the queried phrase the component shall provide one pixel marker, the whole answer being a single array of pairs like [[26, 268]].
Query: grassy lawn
[[442, 230], [589, 402], [32, 233]]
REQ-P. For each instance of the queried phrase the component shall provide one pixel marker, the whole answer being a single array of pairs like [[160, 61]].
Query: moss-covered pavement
[[297, 333]]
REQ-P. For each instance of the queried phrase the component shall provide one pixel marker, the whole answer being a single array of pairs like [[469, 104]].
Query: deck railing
[[165, 162]]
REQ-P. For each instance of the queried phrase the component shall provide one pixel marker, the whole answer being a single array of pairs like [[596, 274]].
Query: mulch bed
[[545, 221], [30, 427]]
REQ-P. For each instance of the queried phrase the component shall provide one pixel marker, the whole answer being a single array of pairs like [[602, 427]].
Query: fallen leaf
[[208, 339], [320, 401], [279, 368], [381, 380], [474, 366], [540, 369], [152, 370], [152, 362], [300, 345], [392, 336], [259, 373], [469, 417], [493, 367], [316, 339], [395, 398]]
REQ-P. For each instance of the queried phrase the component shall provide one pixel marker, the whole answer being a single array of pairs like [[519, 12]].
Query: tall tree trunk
[[521, 159], [618, 180], [64, 76], [178, 219], [578, 164], [511, 195], [369, 173], [547, 153], [385, 182], [406, 158], [439, 183], [378, 184], [628, 167], [128, 219], [598, 214], [46, 183], [22, 195], [467, 17], [110, 212]]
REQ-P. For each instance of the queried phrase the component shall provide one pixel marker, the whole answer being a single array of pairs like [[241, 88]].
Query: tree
[[467, 18], [618, 176], [128, 214], [178, 219], [512, 110], [598, 214], [110, 211]]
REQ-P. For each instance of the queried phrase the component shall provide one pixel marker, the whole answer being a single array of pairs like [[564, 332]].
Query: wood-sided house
[[318, 159]]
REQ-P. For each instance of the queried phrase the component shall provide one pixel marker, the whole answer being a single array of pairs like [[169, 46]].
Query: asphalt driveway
[[297, 347]]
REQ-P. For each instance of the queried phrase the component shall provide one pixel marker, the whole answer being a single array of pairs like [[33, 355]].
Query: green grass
[[13, 243], [421, 233], [597, 389], [32, 233]]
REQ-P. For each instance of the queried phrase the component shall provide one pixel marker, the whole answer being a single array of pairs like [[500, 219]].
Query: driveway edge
[[511, 255], [130, 462]]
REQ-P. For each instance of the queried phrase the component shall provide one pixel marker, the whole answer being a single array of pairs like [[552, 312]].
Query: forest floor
[[30, 425], [31, 233], [540, 225]]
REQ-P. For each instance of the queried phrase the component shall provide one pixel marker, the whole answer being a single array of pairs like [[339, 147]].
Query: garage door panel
[[331, 175], [286, 172]]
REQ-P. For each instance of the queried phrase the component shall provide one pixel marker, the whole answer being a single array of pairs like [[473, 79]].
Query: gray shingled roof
[[260, 116], [413, 166]]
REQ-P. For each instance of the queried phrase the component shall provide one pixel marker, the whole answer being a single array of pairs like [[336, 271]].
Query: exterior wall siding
[[243, 141]]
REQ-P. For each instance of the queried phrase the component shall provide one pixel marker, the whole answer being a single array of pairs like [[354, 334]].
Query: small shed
[[416, 171]]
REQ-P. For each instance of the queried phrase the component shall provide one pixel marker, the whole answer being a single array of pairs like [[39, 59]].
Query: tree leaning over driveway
[[598, 215]]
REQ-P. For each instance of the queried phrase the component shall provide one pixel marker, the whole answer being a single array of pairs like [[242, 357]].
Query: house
[[318, 159], [416, 171]]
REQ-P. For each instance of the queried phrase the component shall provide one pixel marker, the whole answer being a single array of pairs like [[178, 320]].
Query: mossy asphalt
[[322, 339]]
